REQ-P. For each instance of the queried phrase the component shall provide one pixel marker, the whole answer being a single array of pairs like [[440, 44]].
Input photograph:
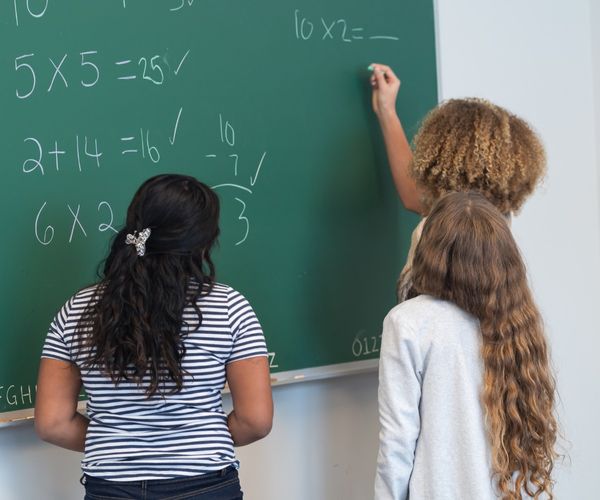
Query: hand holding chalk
[[385, 85]]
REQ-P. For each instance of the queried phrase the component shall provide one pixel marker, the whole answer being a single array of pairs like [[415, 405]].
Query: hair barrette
[[139, 240]]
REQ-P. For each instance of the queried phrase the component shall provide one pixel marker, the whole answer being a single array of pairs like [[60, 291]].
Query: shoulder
[[226, 294], [223, 299], [85, 294], [224, 291], [413, 310], [70, 313], [404, 282], [81, 299], [419, 229], [416, 234], [428, 318], [221, 290]]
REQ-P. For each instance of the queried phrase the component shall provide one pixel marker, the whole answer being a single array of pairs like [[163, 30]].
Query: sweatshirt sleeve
[[400, 372]]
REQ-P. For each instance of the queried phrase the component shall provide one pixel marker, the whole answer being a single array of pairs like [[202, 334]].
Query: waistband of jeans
[[177, 479]]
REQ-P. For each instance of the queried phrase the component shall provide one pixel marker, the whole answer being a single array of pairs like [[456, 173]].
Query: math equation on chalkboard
[[82, 153]]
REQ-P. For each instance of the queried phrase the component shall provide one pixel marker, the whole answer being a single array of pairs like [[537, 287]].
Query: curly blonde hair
[[472, 144], [467, 255]]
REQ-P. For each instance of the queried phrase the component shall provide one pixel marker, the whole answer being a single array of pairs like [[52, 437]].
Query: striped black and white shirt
[[132, 437]]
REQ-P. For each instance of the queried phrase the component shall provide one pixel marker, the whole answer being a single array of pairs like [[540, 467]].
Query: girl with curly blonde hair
[[462, 145], [466, 393]]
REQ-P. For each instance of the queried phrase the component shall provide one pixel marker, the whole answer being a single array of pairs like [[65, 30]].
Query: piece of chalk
[[370, 68]]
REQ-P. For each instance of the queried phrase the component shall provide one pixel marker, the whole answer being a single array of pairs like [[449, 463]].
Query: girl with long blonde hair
[[466, 395]]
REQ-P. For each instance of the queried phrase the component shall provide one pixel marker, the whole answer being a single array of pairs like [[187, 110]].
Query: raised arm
[[385, 85], [250, 386], [56, 418]]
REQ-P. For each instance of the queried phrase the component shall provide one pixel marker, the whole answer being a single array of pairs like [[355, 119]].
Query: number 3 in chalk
[[245, 219]]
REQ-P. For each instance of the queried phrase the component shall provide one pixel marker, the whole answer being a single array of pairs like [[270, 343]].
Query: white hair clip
[[139, 241]]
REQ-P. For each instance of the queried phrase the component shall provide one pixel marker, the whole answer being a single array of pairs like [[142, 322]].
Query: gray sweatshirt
[[432, 444]]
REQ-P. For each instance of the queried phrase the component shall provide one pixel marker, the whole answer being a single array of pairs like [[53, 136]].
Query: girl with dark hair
[[153, 344], [466, 394]]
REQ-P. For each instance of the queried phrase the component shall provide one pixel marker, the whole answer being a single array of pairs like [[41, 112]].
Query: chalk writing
[[174, 5], [29, 78], [181, 63], [228, 138], [60, 69], [15, 395], [272, 363], [82, 148], [95, 70], [173, 137], [26, 67], [255, 177], [155, 74], [83, 153], [145, 148], [57, 72], [45, 233], [243, 219], [37, 9], [182, 4], [364, 345], [226, 130], [26, 7], [335, 29]]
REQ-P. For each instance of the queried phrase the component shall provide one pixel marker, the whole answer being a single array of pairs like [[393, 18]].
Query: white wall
[[535, 58], [595, 24]]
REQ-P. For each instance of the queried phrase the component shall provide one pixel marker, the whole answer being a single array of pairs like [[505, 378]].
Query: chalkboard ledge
[[12, 418], [324, 372]]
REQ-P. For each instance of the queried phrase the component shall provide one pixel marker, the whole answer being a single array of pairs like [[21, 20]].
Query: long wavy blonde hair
[[472, 144], [467, 255]]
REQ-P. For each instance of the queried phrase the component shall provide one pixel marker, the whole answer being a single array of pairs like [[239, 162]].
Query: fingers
[[385, 86], [383, 75], [380, 78]]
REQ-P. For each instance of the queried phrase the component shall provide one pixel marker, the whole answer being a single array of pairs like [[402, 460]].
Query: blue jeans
[[220, 485]]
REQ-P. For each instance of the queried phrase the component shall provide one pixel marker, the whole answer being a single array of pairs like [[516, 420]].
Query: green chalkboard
[[267, 101]]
